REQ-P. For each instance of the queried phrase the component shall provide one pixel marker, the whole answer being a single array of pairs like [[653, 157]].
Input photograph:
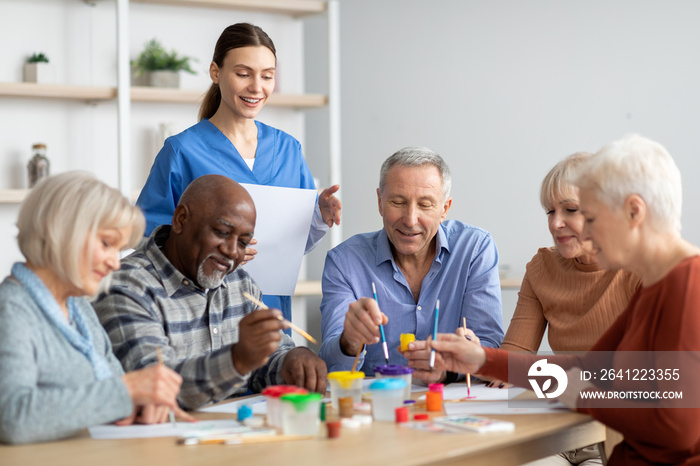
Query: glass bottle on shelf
[[38, 166]]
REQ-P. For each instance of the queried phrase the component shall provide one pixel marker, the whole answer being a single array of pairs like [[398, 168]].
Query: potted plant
[[161, 66], [37, 69]]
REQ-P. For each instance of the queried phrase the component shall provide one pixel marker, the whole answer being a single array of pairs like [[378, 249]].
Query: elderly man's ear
[[179, 218]]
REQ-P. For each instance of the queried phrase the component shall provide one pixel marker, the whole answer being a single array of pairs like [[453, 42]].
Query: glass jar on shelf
[[38, 166]]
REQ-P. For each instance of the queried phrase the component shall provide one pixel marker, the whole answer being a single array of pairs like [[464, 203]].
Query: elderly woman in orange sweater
[[563, 287], [630, 194]]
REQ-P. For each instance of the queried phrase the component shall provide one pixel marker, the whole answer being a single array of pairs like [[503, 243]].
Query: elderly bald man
[[181, 291]]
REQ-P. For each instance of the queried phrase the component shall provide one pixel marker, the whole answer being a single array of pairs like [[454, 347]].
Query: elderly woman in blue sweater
[[57, 371]]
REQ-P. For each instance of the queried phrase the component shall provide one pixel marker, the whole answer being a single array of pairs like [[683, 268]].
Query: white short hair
[[635, 165], [61, 211]]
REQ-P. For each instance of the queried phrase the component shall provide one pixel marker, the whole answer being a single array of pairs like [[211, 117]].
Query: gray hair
[[556, 186], [61, 212], [416, 157], [636, 165]]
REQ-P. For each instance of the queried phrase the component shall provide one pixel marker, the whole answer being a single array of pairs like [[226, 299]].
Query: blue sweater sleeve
[[43, 395]]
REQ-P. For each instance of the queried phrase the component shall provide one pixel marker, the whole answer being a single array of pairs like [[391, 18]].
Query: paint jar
[[406, 338], [345, 383], [301, 413], [433, 397], [397, 372], [401, 414], [333, 428], [387, 395], [346, 406], [272, 396]]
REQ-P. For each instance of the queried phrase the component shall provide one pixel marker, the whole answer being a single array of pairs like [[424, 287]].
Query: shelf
[[164, 95], [142, 94], [12, 196], [58, 91], [511, 283], [288, 7], [313, 288]]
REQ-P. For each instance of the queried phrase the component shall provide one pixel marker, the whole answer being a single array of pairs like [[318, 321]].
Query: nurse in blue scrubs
[[229, 141]]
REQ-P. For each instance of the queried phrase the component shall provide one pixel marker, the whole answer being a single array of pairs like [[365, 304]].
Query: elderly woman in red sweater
[[630, 195]]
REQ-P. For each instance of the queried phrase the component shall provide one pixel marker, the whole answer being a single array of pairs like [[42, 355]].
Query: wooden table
[[535, 436]]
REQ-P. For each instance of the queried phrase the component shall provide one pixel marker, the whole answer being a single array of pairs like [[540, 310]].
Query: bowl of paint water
[[387, 395], [344, 384], [301, 413], [396, 372]]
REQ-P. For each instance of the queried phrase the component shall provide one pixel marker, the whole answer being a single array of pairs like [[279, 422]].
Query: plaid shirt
[[150, 304]]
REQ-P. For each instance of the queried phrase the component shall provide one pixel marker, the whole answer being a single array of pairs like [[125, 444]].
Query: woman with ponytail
[[229, 141]]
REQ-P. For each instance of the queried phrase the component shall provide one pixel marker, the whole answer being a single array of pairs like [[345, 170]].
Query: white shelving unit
[[127, 101]]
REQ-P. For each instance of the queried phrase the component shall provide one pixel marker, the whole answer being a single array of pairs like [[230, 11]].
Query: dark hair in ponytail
[[235, 36]]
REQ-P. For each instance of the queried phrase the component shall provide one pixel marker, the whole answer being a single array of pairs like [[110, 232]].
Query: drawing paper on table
[[256, 403], [281, 228], [502, 407], [162, 430], [480, 392]]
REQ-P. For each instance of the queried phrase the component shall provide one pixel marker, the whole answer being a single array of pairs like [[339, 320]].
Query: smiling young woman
[[229, 141]]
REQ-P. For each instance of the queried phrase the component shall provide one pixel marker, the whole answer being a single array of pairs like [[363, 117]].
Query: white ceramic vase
[[164, 79], [40, 73]]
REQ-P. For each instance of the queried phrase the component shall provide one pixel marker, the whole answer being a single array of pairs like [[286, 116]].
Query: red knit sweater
[[662, 317]]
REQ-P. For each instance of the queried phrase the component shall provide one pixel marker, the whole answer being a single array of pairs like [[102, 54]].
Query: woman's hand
[[330, 206], [154, 414], [155, 384], [457, 354]]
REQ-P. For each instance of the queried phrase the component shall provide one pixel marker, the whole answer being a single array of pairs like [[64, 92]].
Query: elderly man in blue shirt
[[415, 260]]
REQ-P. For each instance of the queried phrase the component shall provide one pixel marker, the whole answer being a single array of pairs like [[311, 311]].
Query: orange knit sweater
[[578, 302]]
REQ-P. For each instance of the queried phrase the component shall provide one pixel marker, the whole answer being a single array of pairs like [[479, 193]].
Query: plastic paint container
[[301, 413], [345, 383], [396, 371], [387, 395], [333, 428], [272, 396], [406, 338], [433, 398], [401, 414], [346, 406]]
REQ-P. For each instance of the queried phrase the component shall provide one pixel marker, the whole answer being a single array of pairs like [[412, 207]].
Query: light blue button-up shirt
[[463, 275]]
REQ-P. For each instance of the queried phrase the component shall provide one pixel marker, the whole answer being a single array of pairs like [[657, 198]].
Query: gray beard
[[213, 280]]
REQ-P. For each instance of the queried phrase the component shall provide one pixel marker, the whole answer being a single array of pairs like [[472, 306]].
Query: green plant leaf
[[154, 57], [38, 58]]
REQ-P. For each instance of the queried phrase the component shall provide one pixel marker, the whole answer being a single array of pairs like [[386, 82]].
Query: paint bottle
[[433, 398], [406, 338]]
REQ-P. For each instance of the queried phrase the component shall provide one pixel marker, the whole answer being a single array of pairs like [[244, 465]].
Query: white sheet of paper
[[501, 407], [480, 392], [105, 432], [281, 228], [256, 403]]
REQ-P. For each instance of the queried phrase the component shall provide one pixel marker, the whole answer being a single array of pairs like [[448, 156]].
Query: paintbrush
[[469, 378], [357, 356], [381, 328], [299, 330]]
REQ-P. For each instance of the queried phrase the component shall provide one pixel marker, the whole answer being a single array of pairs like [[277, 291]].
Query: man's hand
[[418, 356], [303, 368], [361, 325], [330, 206], [258, 337]]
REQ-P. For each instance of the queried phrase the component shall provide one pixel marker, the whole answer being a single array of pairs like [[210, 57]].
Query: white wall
[[502, 90]]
